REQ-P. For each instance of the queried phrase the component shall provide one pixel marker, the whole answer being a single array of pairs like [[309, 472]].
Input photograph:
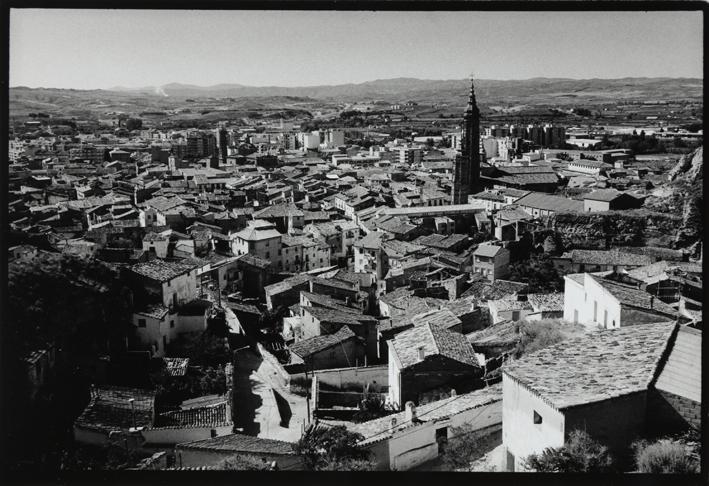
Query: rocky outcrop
[[615, 228], [689, 167]]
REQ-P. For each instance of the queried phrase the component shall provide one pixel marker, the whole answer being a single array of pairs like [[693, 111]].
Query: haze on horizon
[[102, 49]]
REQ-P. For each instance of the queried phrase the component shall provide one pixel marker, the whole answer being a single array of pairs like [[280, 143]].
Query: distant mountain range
[[438, 90]]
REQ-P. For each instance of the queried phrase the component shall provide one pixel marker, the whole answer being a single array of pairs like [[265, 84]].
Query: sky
[[90, 49]]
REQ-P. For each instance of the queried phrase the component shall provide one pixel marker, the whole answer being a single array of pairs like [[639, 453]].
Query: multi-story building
[[410, 155]]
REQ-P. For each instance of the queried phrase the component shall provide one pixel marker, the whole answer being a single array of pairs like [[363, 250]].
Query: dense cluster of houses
[[376, 283]]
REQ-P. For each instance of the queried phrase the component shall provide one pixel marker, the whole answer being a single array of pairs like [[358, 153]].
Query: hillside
[[530, 93]]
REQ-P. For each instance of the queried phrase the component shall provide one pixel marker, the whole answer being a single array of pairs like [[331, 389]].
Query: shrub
[[244, 463], [332, 448], [664, 456], [537, 335], [580, 454], [461, 450], [370, 408]]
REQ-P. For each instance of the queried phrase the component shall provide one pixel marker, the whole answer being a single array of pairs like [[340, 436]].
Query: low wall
[[377, 377], [178, 435]]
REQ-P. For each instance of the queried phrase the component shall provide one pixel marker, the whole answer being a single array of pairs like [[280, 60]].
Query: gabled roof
[[215, 415], [547, 202], [162, 270], [110, 409], [597, 366], [443, 318], [316, 344], [381, 429], [634, 297], [434, 340], [240, 443], [487, 250]]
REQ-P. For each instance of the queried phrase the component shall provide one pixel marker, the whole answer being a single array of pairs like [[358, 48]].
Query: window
[[595, 311], [172, 324], [442, 438], [141, 322], [605, 318], [168, 283], [537, 418], [164, 342], [267, 255]]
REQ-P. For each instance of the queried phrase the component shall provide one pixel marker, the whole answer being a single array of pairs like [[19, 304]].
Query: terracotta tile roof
[[487, 250], [546, 302], [110, 409], [279, 211], [538, 200], [634, 297], [316, 344], [434, 340], [324, 314], [240, 443], [443, 318], [214, 415], [162, 270], [483, 290], [176, 366], [607, 257], [599, 365], [381, 428], [502, 333]]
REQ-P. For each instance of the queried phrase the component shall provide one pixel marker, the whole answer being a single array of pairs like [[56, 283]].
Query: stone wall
[[615, 228]]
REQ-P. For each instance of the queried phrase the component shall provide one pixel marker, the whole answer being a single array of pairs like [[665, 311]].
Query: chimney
[[422, 354], [410, 412], [454, 393]]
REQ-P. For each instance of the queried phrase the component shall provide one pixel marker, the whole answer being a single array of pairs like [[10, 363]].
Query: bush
[[461, 450], [331, 449], [580, 454], [244, 463], [664, 456], [537, 335], [370, 408]]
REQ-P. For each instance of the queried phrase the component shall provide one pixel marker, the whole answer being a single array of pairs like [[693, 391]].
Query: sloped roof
[[110, 409], [381, 428], [240, 443], [196, 417], [442, 317], [634, 297], [599, 365], [538, 200], [316, 344], [162, 270], [434, 340]]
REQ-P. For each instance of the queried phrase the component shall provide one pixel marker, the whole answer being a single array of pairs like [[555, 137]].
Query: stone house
[[592, 300], [407, 439], [426, 357], [606, 382], [491, 261]]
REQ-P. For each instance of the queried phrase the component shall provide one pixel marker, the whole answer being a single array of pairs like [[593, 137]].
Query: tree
[[370, 408], [539, 272], [580, 454], [133, 124], [332, 448]]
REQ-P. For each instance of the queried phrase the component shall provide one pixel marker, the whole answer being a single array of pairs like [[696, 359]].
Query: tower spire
[[471, 98]]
